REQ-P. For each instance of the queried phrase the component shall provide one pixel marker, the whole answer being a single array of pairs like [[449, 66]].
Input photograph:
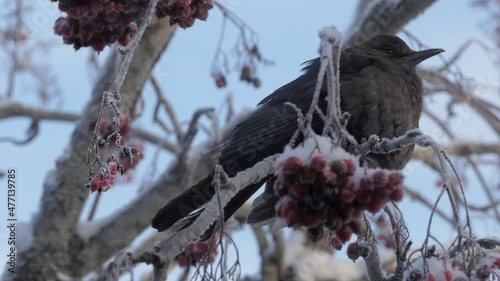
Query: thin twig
[[168, 108]]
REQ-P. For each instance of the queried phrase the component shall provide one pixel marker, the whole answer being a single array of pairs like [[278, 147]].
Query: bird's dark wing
[[284, 93], [270, 127]]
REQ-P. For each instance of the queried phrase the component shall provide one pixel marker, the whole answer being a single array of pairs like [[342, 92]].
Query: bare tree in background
[[106, 143]]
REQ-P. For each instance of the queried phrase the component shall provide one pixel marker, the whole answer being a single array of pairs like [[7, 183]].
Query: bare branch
[[162, 100], [31, 133], [442, 83], [465, 148], [154, 139], [11, 109], [188, 137], [415, 195]]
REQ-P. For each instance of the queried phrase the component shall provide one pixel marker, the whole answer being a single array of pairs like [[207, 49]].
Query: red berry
[[398, 194], [366, 184], [292, 165], [112, 168], [124, 125], [221, 82], [95, 6], [201, 12], [432, 277], [188, 22], [182, 261], [118, 8], [345, 233], [351, 166], [183, 3], [448, 275], [285, 208], [105, 188], [455, 264], [313, 220], [124, 40], [109, 6], [256, 82], [352, 251], [95, 184], [133, 28], [299, 190], [104, 182], [63, 6], [82, 11], [364, 196], [245, 74], [295, 217], [98, 45], [348, 195], [307, 176], [395, 179], [382, 193], [331, 177], [382, 222], [374, 205], [319, 163], [336, 243], [339, 167]]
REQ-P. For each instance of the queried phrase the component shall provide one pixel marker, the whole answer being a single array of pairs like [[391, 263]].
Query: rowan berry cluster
[[130, 153], [248, 75], [105, 178], [100, 23], [184, 12], [333, 195]]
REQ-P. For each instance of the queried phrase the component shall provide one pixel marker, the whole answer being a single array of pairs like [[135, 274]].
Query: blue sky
[[288, 36]]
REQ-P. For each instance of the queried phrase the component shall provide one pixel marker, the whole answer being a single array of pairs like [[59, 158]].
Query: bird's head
[[393, 48]]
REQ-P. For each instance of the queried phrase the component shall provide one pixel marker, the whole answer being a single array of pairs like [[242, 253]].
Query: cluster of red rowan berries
[[130, 153], [184, 12], [196, 251], [105, 178], [98, 23], [333, 195], [248, 75]]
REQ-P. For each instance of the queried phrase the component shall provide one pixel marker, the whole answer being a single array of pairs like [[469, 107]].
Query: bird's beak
[[417, 57]]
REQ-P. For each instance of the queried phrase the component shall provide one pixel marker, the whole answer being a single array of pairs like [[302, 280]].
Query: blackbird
[[379, 88]]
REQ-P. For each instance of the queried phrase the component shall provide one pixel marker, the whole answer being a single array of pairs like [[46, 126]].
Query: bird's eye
[[389, 51]]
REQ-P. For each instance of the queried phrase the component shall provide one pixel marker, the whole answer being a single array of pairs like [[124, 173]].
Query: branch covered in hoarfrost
[[113, 97], [167, 250]]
